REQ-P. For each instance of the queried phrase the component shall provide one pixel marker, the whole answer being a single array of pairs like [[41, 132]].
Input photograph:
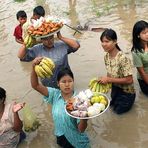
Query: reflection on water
[[73, 15], [19, 0], [106, 131]]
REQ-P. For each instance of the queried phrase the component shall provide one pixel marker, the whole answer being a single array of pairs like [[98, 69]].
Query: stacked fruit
[[99, 103], [44, 26], [45, 68], [95, 86], [87, 104], [29, 41], [99, 98]]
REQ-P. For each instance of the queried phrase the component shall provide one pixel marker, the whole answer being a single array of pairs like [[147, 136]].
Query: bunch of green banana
[[95, 86], [45, 68], [28, 41]]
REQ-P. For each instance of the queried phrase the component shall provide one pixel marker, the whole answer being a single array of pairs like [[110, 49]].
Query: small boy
[[38, 11], [22, 18]]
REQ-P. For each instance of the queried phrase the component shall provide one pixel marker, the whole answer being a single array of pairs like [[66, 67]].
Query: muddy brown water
[[108, 130]]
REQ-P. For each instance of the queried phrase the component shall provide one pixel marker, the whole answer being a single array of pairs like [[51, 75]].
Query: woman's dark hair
[[22, 14], [137, 29], [110, 34], [2, 94], [63, 72], [39, 10]]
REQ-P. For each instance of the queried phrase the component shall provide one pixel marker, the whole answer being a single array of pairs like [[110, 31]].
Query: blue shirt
[[64, 124], [58, 53]]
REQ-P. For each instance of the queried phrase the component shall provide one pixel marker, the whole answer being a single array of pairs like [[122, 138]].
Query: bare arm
[[82, 125], [18, 41], [34, 79], [143, 74], [125, 80], [22, 51], [17, 122], [72, 43]]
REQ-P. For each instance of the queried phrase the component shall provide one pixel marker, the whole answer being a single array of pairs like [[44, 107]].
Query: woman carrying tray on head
[[58, 51]]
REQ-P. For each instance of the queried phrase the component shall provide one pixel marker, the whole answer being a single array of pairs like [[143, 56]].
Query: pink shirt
[[8, 137]]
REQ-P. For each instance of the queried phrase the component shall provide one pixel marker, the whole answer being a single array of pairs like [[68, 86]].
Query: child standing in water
[[10, 123], [38, 12], [140, 53], [22, 18], [119, 73], [69, 131]]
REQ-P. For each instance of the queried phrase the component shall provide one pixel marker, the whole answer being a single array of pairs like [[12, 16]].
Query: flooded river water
[[108, 130]]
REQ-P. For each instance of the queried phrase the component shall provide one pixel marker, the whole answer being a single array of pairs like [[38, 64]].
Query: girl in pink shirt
[[10, 123]]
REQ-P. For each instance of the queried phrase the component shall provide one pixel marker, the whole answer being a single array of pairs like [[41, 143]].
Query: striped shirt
[[64, 124]]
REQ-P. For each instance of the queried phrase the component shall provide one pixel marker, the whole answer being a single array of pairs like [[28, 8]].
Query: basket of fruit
[[87, 105]]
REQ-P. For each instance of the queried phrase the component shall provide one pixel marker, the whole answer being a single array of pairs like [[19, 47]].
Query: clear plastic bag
[[30, 120]]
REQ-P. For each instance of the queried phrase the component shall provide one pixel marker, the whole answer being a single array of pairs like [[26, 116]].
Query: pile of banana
[[45, 68], [95, 86], [29, 41]]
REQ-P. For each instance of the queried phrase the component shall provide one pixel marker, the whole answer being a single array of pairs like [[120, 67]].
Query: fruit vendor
[[58, 51], [119, 73], [69, 132]]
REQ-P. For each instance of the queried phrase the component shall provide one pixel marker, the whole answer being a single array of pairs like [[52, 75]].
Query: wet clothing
[[121, 101], [18, 32], [120, 67], [140, 59], [64, 124], [8, 137], [58, 53], [63, 142], [143, 86]]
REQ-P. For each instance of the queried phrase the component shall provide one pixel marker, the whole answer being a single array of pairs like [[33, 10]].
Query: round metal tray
[[108, 100]]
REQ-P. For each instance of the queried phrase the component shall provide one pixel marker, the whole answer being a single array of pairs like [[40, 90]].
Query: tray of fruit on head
[[87, 104], [45, 26]]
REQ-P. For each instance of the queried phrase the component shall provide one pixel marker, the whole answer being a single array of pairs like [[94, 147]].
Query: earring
[[138, 36]]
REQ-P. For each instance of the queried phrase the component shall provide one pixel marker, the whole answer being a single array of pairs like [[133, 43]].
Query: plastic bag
[[29, 119]]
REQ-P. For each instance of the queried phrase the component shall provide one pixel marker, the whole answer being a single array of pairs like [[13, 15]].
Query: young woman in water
[[119, 73], [140, 53], [69, 131]]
